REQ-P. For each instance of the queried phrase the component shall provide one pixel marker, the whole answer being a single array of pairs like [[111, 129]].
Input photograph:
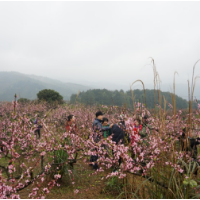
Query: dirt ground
[[89, 186]]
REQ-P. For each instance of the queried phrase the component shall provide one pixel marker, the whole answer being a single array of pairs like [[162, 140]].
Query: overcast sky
[[101, 41]]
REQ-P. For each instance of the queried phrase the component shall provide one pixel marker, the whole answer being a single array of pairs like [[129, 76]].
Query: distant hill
[[120, 98], [27, 86]]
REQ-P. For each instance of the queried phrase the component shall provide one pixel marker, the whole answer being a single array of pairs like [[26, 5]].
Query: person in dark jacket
[[98, 134], [38, 127], [117, 134], [118, 137], [122, 125], [193, 142], [97, 126]]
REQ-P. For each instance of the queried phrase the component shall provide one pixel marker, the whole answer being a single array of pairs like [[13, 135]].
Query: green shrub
[[50, 96], [23, 100]]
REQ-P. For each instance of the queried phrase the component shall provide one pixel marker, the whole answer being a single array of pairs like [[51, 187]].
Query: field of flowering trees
[[35, 168]]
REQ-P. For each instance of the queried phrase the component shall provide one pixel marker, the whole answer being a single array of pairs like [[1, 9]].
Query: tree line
[[117, 98], [121, 98]]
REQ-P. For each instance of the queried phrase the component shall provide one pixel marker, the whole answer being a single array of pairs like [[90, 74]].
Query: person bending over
[[105, 125], [98, 134], [118, 138]]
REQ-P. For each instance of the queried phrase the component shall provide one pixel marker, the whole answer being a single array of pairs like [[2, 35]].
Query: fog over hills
[[85, 43], [27, 86], [181, 88]]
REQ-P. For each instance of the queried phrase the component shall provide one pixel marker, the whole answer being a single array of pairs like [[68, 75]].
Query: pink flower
[[43, 153], [148, 165], [15, 196], [46, 190], [57, 176], [76, 191], [180, 170]]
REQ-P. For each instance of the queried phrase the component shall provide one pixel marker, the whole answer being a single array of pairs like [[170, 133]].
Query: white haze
[[102, 44]]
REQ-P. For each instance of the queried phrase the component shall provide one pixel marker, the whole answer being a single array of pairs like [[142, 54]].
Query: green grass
[[4, 161]]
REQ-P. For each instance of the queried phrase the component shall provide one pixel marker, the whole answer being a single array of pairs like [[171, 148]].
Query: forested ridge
[[121, 98], [27, 86]]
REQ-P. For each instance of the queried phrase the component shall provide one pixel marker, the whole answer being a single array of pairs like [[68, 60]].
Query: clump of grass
[[59, 166], [113, 186], [174, 186]]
